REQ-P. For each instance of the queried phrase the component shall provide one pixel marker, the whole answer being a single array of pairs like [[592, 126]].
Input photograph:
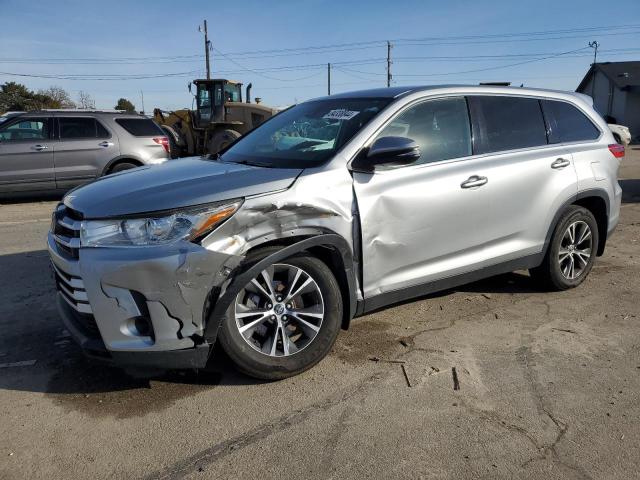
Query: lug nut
[[269, 305], [279, 299], [284, 317], [288, 305], [273, 317]]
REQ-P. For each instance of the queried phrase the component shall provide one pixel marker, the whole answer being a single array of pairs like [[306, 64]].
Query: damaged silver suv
[[331, 209]]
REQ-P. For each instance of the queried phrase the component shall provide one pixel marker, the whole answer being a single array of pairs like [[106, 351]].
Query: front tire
[[285, 320], [571, 252], [222, 140]]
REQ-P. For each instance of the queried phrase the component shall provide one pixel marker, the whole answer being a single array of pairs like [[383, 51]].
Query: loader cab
[[211, 97]]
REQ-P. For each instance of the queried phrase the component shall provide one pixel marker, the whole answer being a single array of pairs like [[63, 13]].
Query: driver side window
[[440, 127], [25, 130]]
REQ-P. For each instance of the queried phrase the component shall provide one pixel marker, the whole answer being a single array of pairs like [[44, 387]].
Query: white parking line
[[22, 222]]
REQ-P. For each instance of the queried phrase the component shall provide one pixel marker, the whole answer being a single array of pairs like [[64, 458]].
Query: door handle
[[39, 148], [105, 144], [474, 181], [560, 163]]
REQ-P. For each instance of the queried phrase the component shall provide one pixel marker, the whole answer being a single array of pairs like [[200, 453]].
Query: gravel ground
[[546, 385]]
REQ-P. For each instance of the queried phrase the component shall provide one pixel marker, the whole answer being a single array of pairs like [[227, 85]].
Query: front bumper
[[105, 295], [94, 348]]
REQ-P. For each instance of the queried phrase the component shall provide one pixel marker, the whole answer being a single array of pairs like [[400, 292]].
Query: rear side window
[[74, 128], [506, 123], [567, 124], [140, 127], [441, 128]]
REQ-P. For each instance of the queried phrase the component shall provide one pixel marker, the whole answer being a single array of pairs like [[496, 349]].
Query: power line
[[468, 38], [319, 49], [342, 66], [474, 70], [102, 77], [256, 72]]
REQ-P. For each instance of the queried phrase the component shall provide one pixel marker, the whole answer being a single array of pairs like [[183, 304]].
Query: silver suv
[[59, 149], [331, 209]]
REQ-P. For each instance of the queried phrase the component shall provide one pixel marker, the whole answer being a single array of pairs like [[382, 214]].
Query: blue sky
[[91, 38]]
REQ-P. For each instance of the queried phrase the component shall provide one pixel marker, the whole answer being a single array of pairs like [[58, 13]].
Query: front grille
[[73, 291], [66, 230]]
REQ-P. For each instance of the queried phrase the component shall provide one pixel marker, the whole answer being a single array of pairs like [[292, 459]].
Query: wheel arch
[[596, 201], [118, 160], [330, 248]]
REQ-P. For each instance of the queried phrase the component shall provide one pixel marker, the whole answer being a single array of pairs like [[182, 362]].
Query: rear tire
[[571, 252], [260, 351], [121, 167], [174, 149]]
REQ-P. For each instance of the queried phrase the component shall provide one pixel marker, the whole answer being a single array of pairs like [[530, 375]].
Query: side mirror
[[395, 151]]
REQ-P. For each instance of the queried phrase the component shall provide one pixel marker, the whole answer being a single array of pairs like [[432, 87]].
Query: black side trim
[[243, 277], [591, 192], [390, 298], [595, 192]]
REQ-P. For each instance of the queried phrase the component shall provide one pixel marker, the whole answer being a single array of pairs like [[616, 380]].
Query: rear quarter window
[[566, 123], [506, 123], [140, 127]]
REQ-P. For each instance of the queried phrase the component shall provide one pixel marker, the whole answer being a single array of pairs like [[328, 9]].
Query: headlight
[[188, 224]]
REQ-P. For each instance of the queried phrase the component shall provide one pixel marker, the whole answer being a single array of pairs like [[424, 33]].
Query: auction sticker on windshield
[[340, 114]]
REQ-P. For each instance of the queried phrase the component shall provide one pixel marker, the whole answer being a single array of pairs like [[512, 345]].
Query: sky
[[283, 47]]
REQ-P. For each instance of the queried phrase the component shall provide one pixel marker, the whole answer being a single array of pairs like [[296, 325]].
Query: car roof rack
[[84, 110]]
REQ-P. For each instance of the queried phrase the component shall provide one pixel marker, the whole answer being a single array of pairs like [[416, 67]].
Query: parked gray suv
[[331, 209], [60, 149]]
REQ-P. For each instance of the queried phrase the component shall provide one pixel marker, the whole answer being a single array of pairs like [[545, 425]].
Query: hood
[[175, 184]]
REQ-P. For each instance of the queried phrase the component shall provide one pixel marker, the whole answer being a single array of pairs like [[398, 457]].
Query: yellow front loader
[[220, 118]]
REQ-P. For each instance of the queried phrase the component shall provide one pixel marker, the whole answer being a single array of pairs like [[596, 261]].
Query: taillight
[[617, 150], [164, 141]]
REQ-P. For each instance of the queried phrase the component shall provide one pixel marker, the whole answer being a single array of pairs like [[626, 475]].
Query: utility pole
[[142, 97], [328, 79], [595, 46], [206, 50], [388, 63]]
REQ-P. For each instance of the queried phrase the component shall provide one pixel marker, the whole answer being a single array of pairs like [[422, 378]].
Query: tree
[[15, 96], [57, 97], [124, 104], [85, 101]]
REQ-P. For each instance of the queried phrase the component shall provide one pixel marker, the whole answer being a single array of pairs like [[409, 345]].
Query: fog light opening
[[143, 326]]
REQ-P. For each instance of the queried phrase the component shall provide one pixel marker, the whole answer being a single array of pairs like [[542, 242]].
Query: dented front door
[[419, 225]]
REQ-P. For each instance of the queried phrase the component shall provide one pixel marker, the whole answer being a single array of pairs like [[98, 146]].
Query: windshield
[[305, 135]]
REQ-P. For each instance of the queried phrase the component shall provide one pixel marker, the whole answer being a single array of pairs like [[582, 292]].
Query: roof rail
[[83, 110]]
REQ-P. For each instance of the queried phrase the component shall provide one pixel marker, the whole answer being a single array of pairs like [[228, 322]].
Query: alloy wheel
[[576, 248], [280, 312]]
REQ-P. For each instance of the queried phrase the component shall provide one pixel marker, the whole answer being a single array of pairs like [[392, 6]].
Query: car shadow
[[38, 355], [28, 197], [510, 283], [630, 190]]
